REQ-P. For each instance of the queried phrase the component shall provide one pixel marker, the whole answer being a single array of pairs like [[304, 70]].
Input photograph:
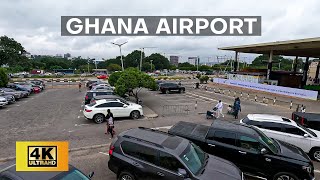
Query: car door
[[223, 144], [169, 166], [102, 108], [295, 136], [118, 109], [249, 155]]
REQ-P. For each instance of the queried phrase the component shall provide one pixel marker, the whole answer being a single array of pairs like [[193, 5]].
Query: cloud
[[36, 24]]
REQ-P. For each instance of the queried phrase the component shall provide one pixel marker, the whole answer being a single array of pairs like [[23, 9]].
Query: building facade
[[174, 60]]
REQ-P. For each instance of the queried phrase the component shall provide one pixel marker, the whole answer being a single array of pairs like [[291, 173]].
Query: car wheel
[[285, 176], [98, 118], [167, 91], [315, 154], [126, 176], [135, 114]]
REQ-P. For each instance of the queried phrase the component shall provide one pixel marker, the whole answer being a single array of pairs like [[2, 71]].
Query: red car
[[36, 90], [102, 76]]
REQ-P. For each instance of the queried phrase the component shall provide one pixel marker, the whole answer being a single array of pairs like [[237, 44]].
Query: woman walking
[[110, 123]]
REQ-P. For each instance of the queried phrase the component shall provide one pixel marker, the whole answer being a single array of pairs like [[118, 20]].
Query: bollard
[[291, 104], [241, 94], [255, 98], [229, 92], [234, 94], [196, 105], [264, 99], [248, 96], [274, 100]]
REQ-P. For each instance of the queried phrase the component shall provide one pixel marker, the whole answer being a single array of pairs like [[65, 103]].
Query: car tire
[[125, 175], [180, 91], [167, 91], [315, 154], [98, 118], [285, 176], [135, 114]]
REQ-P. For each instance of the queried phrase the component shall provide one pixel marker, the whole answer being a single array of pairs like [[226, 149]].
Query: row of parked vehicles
[[260, 145], [17, 90], [101, 97]]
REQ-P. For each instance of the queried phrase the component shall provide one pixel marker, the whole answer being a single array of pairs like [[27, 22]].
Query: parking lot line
[[104, 153], [317, 171], [81, 124]]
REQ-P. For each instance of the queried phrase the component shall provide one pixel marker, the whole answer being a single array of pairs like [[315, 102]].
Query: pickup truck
[[309, 120], [247, 147]]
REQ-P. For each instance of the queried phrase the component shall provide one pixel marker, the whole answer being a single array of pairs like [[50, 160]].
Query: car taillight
[[86, 97], [88, 110], [111, 150], [302, 121]]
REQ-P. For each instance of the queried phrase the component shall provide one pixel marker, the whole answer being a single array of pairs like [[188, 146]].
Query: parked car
[[34, 86], [249, 148], [287, 130], [20, 88], [103, 87], [16, 94], [143, 153], [39, 83], [23, 93], [3, 101], [169, 87], [90, 82], [97, 111], [90, 94], [8, 172], [10, 98], [103, 76], [308, 120]]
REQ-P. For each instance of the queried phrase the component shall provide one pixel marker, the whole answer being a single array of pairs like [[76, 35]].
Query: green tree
[[159, 61], [10, 51], [55, 67], [3, 78], [133, 59], [113, 78], [114, 67], [147, 66]]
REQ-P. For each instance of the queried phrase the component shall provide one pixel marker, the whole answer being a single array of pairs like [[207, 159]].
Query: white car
[[286, 130], [97, 111], [3, 101], [105, 85]]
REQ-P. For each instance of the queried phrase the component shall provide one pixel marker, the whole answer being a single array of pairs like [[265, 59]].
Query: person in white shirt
[[219, 107]]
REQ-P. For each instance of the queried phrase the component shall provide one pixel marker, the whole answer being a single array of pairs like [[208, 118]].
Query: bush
[[312, 87], [198, 76], [4, 79], [113, 78]]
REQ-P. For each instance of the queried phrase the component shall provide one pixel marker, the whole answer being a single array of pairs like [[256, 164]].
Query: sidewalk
[[149, 113]]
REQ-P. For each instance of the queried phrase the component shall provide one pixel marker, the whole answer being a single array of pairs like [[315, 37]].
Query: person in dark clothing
[[110, 123], [237, 107]]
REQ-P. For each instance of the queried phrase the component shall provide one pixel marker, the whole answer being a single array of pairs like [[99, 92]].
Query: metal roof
[[309, 47]]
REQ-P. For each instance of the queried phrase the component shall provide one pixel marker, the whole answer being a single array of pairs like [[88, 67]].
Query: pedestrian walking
[[80, 86], [110, 123], [219, 108], [237, 107]]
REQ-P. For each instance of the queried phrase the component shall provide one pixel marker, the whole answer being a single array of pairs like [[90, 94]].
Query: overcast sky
[[36, 25]]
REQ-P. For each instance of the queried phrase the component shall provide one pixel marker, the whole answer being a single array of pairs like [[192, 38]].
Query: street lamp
[[119, 45], [151, 65]]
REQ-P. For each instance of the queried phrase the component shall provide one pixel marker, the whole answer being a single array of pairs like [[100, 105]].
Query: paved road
[[55, 115]]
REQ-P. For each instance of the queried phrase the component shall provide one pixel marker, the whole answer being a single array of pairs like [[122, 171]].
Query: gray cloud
[[36, 24]]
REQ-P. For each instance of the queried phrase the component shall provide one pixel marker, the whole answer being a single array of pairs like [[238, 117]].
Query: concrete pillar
[[317, 73], [305, 73], [236, 64], [269, 64], [295, 63]]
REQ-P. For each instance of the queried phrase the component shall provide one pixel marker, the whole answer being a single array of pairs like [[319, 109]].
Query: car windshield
[[124, 101], [193, 157], [308, 130], [272, 145], [75, 174]]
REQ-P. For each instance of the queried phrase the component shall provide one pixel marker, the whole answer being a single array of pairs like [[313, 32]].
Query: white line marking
[[317, 171], [104, 153], [80, 110], [78, 117], [70, 131], [81, 124]]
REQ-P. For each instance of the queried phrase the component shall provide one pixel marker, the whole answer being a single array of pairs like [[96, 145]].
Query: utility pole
[[151, 65], [142, 51], [119, 45], [198, 59]]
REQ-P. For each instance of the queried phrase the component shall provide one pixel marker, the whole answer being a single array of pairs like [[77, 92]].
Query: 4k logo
[[42, 156]]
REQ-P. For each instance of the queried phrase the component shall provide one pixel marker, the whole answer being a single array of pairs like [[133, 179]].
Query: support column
[[305, 73], [269, 64], [317, 73], [235, 65], [295, 63]]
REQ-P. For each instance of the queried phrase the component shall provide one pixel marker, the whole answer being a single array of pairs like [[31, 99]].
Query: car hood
[[292, 152], [218, 168]]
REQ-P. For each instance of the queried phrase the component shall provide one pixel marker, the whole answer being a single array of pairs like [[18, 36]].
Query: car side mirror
[[124, 106], [182, 172], [263, 151], [306, 135], [90, 175]]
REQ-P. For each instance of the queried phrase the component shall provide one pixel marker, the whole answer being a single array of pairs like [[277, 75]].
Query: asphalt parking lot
[[56, 114]]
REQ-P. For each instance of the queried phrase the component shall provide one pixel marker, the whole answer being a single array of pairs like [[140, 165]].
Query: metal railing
[[175, 110]]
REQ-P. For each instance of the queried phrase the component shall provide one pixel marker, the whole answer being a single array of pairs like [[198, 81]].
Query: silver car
[[3, 101]]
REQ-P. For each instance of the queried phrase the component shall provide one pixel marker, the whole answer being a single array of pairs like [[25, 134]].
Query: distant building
[[27, 54], [174, 60], [67, 56], [192, 60], [314, 72], [58, 55]]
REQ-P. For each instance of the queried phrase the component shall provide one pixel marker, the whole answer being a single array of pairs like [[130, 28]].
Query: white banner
[[301, 93]]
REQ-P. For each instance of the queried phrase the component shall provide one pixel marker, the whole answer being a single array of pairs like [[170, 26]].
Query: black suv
[[144, 153], [98, 92], [169, 87]]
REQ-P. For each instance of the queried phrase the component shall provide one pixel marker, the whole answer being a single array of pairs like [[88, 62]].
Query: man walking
[[80, 86], [110, 123], [219, 108], [237, 107]]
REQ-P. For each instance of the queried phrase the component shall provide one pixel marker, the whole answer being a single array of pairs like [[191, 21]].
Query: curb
[[70, 150], [151, 116]]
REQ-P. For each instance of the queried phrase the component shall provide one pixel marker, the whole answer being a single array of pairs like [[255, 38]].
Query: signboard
[[301, 93], [246, 78]]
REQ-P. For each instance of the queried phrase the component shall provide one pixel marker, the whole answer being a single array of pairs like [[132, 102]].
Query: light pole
[[119, 45], [151, 66], [142, 51]]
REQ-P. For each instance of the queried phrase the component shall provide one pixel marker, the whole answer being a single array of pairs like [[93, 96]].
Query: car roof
[[29, 175], [270, 118], [235, 127], [107, 97], [101, 101], [101, 90], [156, 138]]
